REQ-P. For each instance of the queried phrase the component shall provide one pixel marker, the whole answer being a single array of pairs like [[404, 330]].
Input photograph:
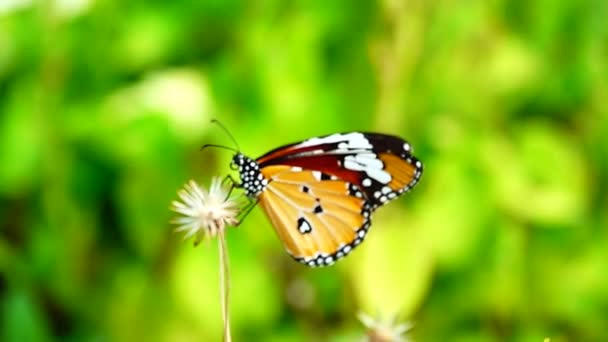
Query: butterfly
[[320, 193]]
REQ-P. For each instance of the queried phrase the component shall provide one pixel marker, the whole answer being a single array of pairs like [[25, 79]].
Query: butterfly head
[[252, 180]]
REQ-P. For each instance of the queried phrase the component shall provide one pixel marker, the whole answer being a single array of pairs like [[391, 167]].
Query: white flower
[[207, 213], [204, 213], [380, 330]]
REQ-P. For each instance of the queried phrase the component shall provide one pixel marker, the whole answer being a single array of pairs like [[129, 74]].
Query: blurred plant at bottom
[[206, 214], [380, 329]]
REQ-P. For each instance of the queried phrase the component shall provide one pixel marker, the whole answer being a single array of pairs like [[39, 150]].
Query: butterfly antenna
[[215, 121], [219, 146]]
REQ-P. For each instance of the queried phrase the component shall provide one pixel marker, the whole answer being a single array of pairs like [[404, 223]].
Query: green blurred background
[[104, 105]]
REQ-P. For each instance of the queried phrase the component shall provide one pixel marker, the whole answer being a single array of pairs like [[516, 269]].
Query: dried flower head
[[204, 213], [381, 330]]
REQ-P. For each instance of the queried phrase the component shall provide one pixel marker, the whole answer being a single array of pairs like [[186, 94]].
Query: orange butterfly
[[320, 193]]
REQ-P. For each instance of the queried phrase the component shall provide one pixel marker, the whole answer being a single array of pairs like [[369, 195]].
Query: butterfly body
[[320, 193]]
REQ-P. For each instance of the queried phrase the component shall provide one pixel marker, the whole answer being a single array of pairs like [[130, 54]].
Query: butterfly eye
[[233, 166]]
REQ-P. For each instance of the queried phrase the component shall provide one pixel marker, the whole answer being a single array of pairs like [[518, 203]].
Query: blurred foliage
[[104, 105]]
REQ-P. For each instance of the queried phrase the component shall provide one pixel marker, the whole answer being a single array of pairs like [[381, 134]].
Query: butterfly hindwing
[[318, 218]]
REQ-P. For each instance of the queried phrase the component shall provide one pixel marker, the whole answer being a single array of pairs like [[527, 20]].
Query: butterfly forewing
[[318, 219], [382, 166]]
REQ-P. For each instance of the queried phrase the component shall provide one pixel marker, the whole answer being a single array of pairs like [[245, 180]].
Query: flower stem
[[224, 284]]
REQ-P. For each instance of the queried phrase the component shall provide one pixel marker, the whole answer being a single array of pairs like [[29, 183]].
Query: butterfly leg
[[233, 184], [246, 210], [250, 203]]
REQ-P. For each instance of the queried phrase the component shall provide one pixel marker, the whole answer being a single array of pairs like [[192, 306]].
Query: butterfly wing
[[381, 166], [319, 218]]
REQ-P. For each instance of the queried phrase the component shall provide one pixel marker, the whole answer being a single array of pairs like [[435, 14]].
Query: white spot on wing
[[366, 154], [351, 164], [304, 227], [379, 175], [369, 160], [316, 175], [360, 162], [351, 140], [372, 166]]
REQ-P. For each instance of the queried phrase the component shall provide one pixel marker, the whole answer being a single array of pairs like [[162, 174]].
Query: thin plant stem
[[224, 284]]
